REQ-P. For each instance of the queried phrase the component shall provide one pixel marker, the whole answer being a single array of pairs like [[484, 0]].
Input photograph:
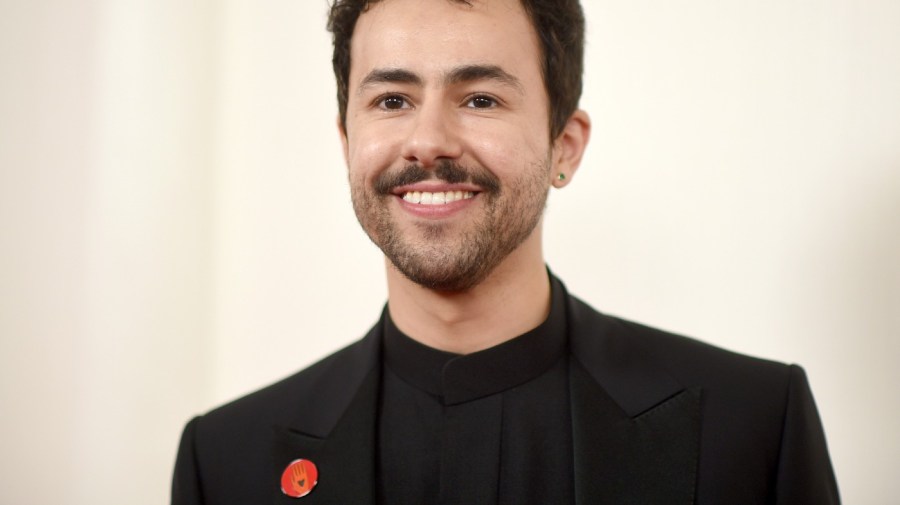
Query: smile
[[437, 197]]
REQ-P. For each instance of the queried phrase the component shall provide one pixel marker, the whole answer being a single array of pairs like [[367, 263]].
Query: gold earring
[[561, 176]]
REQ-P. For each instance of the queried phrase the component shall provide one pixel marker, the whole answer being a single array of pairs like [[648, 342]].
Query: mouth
[[436, 197]]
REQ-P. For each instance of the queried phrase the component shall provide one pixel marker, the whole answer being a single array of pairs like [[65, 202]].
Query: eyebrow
[[469, 73], [390, 75], [465, 73]]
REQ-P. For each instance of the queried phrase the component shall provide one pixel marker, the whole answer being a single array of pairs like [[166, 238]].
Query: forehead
[[431, 35]]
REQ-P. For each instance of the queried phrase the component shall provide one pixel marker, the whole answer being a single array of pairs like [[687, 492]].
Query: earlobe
[[569, 147]]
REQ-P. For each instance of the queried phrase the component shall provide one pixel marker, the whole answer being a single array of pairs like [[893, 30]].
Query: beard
[[454, 256]]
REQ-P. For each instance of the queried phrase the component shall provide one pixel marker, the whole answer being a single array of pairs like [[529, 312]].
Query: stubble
[[453, 256]]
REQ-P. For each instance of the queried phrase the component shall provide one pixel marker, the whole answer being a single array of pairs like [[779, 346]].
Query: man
[[485, 382]]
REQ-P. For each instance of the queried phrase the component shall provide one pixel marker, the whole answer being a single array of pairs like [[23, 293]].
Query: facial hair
[[455, 256]]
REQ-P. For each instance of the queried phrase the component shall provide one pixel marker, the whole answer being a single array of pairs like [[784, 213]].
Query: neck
[[513, 299]]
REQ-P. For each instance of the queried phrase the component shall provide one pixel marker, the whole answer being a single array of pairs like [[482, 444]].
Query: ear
[[344, 145], [568, 148]]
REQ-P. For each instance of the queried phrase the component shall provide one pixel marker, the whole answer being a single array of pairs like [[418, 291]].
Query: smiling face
[[446, 139]]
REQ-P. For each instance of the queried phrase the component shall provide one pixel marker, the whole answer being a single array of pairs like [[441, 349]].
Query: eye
[[481, 102], [393, 102]]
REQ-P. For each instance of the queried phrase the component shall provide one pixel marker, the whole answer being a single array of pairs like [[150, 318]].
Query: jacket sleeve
[[186, 489], [805, 475]]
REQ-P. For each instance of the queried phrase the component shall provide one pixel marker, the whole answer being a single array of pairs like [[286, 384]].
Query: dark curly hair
[[560, 28]]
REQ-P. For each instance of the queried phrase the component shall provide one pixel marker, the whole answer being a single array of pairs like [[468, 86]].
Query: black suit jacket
[[656, 419]]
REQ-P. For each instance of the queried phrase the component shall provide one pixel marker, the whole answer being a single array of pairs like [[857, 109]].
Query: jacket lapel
[[635, 429], [649, 459], [338, 434]]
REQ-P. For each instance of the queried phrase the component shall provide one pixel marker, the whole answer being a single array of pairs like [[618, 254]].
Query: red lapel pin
[[299, 478]]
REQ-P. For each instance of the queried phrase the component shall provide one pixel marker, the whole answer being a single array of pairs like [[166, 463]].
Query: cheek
[[369, 154], [506, 150]]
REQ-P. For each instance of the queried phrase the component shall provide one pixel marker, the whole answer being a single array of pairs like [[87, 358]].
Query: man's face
[[447, 138]]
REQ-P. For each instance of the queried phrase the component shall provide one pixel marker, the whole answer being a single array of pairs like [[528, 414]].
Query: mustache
[[448, 171]]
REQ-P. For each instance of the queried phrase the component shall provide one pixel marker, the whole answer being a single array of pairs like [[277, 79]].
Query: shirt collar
[[459, 378]]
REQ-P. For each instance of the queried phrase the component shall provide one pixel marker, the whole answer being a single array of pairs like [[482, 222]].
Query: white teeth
[[436, 198]]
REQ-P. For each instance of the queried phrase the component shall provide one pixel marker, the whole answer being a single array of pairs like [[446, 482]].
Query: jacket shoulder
[[321, 385], [760, 425], [226, 453], [691, 362]]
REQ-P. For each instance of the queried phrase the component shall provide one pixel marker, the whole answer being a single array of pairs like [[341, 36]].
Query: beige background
[[175, 227]]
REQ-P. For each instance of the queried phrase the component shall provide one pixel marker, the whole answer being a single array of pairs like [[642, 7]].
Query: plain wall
[[176, 229]]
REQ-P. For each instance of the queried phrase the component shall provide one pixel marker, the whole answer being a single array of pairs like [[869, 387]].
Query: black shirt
[[491, 427]]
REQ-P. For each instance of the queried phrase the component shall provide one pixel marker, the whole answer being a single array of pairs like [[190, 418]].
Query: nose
[[433, 136]]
